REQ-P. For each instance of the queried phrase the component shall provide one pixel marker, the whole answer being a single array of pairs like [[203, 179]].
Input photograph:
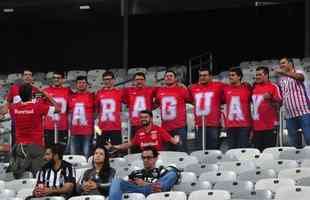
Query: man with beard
[[57, 177], [148, 135]]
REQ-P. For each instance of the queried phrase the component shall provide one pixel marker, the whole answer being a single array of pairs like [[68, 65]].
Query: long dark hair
[[105, 170]]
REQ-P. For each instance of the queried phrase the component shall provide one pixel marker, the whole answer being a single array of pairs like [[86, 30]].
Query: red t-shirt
[[29, 121], [81, 108], [238, 106], [61, 96], [207, 101], [265, 115], [138, 99], [172, 102], [155, 137], [109, 105], [13, 94]]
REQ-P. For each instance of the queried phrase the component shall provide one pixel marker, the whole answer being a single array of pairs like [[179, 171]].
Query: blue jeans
[[238, 137], [182, 133], [212, 138], [293, 124], [119, 186], [81, 144]]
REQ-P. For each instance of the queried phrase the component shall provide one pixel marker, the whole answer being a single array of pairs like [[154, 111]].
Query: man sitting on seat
[[148, 180]]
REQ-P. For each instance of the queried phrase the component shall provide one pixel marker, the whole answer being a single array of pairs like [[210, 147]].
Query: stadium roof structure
[[135, 6]]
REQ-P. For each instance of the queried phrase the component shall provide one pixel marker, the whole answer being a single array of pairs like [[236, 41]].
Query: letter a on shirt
[[235, 112], [79, 115], [138, 106]]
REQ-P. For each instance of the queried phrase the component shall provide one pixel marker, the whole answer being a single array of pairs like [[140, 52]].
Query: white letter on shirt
[[63, 107], [169, 108], [138, 105], [235, 112], [108, 109], [205, 99], [79, 115], [257, 100]]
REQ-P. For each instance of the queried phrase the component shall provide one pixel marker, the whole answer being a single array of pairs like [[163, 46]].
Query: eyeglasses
[[146, 157]]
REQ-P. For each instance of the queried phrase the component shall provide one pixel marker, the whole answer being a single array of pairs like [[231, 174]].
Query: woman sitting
[[97, 180]]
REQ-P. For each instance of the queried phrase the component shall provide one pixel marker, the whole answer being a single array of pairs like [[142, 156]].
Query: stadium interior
[[178, 35]]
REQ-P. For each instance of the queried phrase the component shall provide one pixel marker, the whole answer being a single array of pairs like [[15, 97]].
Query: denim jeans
[[293, 124], [182, 133], [119, 186], [81, 144], [212, 138], [238, 137]]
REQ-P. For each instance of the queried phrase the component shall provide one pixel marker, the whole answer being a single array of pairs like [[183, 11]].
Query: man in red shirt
[[237, 97], [149, 135], [172, 99], [108, 102], [81, 108], [13, 96], [28, 116], [266, 99], [138, 97], [57, 120], [206, 96]]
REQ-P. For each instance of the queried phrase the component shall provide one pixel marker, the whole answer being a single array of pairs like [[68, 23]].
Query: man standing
[[138, 98], [81, 108], [13, 96], [237, 97], [108, 101], [206, 97], [295, 100], [57, 120], [57, 177], [28, 115], [149, 134], [266, 99], [148, 180], [172, 99]]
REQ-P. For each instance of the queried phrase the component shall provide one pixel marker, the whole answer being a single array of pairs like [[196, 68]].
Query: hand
[[139, 182], [92, 185], [279, 71], [267, 96], [155, 187], [177, 139]]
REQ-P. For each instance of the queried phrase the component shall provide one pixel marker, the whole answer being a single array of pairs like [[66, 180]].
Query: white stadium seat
[[237, 166], [209, 195], [201, 168], [214, 176], [189, 187], [235, 187], [207, 155], [23, 193], [88, 197], [167, 196], [133, 196], [243, 153], [293, 193], [256, 175], [278, 165], [275, 151], [300, 175], [19, 184], [274, 184]]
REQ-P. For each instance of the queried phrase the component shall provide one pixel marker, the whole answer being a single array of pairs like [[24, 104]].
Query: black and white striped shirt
[[52, 178]]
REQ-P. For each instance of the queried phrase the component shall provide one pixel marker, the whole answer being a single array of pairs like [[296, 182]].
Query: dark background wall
[[93, 40]]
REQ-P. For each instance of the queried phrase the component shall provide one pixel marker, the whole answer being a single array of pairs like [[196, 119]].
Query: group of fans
[[33, 110]]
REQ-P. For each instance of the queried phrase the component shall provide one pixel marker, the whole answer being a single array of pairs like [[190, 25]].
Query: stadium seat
[[12, 78], [237, 166], [132, 157], [295, 154], [304, 163], [214, 177], [293, 193], [235, 187], [274, 184], [201, 168], [258, 159], [188, 177], [88, 197], [254, 195], [19, 184], [209, 195], [79, 173], [76, 160], [133, 196], [167, 196], [300, 175], [132, 71], [256, 175], [243, 153], [207, 155], [278, 165], [72, 74], [7, 193], [179, 161], [189, 187], [49, 198], [275, 151], [123, 172], [23, 193], [169, 154], [118, 162], [2, 185]]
